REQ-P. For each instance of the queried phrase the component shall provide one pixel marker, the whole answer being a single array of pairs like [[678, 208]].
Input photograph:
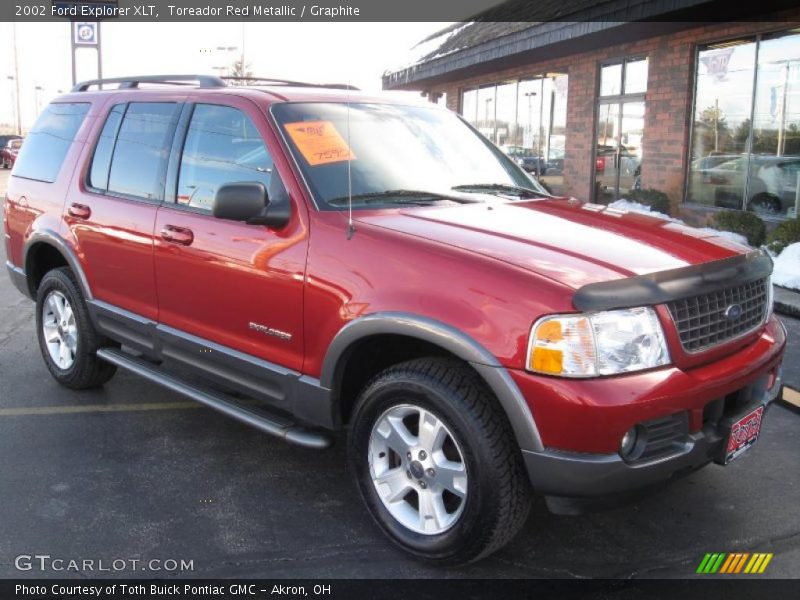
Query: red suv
[[309, 259]]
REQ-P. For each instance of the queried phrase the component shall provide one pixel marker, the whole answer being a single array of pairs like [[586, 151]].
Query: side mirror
[[248, 201]]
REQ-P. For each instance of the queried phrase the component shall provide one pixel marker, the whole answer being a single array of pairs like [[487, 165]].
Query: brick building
[[706, 112]]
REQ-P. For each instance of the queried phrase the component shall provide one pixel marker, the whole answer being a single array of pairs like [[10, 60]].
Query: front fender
[[449, 339]]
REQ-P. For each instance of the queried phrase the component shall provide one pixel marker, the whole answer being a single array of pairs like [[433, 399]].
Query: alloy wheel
[[60, 330], [418, 469]]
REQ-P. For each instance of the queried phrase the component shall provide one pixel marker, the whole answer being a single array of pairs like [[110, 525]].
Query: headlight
[[601, 343]]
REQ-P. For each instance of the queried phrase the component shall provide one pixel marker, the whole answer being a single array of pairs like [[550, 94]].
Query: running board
[[273, 425]]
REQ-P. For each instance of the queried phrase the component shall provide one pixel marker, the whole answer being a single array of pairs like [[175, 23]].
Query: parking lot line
[[89, 408], [791, 396]]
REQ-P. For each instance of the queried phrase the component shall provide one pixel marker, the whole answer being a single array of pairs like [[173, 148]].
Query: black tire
[[86, 371], [498, 490]]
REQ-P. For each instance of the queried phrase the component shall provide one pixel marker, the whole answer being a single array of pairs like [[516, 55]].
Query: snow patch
[[736, 237], [630, 206], [786, 272]]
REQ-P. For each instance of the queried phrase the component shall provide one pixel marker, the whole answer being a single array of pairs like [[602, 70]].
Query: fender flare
[[52, 238], [454, 341]]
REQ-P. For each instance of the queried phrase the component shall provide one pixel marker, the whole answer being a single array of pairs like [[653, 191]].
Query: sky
[[355, 53]]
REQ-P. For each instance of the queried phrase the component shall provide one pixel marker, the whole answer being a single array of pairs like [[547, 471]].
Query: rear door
[[111, 211], [224, 282]]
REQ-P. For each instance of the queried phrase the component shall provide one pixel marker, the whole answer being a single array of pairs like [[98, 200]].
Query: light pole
[[11, 104], [221, 50], [530, 95], [36, 91], [16, 77], [486, 118]]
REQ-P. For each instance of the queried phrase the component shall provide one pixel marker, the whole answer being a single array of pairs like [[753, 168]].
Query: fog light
[[628, 443]]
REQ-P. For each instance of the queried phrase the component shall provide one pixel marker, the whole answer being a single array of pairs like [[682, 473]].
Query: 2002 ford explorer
[[310, 259]]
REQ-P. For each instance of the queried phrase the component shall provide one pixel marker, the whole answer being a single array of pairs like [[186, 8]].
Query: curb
[[784, 308], [786, 301]]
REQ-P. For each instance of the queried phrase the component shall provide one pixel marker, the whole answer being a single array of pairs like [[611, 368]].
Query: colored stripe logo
[[735, 562]]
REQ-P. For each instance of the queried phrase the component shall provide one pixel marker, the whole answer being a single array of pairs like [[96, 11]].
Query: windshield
[[393, 148]]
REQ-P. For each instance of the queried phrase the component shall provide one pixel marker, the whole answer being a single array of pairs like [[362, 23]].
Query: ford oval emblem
[[733, 312]]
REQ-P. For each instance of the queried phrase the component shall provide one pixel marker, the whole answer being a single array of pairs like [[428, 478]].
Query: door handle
[[79, 211], [177, 235]]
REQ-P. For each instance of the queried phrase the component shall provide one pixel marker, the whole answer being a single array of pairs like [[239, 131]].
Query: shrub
[[745, 223], [655, 199], [786, 233]]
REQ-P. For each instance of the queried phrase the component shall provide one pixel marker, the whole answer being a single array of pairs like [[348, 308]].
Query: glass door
[[620, 129], [606, 171]]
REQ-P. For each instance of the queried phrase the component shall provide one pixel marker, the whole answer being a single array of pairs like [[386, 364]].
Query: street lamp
[[486, 119], [530, 95], [12, 79], [222, 50], [36, 91]]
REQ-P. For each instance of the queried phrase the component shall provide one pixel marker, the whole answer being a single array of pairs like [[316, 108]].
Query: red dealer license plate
[[744, 434]]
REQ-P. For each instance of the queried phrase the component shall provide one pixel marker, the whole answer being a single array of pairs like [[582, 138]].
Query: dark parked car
[[9, 152]]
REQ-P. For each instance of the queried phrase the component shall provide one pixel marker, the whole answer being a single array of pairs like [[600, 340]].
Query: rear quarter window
[[46, 146]]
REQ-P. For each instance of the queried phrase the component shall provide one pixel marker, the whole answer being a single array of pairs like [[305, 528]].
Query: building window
[[746, 129], [620, 128], [527, 120]]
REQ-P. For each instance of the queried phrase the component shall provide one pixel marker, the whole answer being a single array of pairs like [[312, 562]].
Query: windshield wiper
[[516, 190], [418, 197]]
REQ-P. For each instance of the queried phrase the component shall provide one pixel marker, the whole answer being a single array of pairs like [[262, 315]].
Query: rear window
[[47, 144]]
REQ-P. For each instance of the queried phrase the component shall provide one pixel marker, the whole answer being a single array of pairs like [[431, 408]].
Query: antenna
[[351, 228]]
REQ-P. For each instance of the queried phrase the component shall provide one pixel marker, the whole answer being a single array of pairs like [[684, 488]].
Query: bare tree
[[240, 70]]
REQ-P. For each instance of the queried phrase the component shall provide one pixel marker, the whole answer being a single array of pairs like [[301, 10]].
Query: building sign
[[716, 62], [84, 34]]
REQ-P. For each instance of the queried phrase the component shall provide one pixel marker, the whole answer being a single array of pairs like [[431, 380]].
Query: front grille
[[701, 320]]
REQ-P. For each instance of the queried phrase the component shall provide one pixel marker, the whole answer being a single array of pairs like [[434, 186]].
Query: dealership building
[[620, 95]]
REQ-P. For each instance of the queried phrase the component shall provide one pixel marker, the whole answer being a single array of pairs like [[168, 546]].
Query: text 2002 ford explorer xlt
[[478, 338]]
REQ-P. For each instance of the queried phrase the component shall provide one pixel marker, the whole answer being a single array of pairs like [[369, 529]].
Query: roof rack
[[205, 81], [338, 86], [209, 81]]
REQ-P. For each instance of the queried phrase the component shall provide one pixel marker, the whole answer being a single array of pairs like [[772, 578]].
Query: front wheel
[[436, 462]]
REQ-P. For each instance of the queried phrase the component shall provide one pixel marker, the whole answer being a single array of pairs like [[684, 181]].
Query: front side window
[[139, 160], [222, 146], [389, 148], [46, 146]]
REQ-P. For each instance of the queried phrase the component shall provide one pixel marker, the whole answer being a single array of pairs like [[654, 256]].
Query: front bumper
[[582, 422], [580, 475]]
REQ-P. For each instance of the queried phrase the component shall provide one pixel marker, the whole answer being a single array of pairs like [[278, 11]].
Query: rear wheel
[[67, 338], [436, 462]]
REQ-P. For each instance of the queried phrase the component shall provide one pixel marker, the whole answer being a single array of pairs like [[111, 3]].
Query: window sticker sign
[[319, 142]]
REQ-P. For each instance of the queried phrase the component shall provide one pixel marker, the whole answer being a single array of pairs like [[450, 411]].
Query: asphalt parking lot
[[134, 472]]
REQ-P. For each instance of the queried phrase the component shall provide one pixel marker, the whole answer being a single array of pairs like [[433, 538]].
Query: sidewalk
[[787, 302]]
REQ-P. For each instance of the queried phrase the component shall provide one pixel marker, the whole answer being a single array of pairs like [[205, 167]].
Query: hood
[[572, 242]]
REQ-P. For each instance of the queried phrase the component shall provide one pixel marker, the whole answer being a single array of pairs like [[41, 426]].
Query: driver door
[[230, 294]]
